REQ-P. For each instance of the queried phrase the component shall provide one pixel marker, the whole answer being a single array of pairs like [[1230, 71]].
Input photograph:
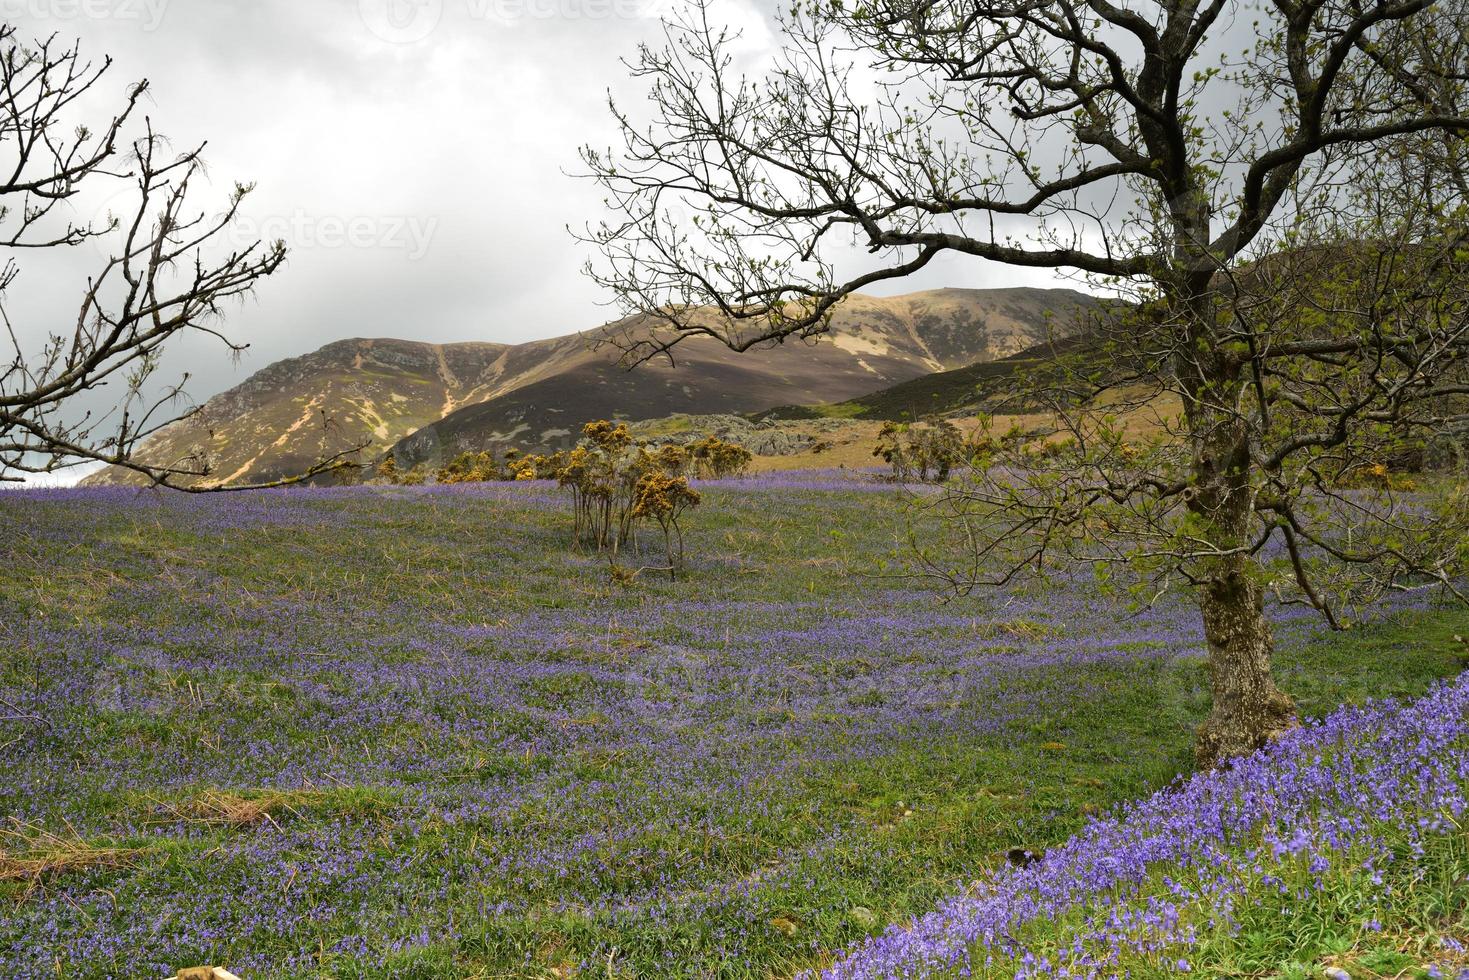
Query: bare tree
[[165, 272], [1280, 189]]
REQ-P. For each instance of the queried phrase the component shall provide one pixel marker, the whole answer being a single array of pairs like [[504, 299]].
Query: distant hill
[[428, 401], [874, 343], [294, 412], [966, 390]]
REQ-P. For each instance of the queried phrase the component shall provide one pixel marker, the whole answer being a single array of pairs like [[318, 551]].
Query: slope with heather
[[967, 390], [873, 343]]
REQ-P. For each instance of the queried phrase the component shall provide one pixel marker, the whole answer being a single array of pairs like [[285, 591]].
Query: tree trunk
[[1248, 709]]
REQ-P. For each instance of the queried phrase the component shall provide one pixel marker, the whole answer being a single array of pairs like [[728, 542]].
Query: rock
[[760, 438]]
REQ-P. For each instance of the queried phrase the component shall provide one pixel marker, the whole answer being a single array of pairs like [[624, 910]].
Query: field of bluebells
[[406, 732]]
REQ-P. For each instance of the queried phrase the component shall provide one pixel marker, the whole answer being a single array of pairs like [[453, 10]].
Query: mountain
[[428, 401], [873, 343]]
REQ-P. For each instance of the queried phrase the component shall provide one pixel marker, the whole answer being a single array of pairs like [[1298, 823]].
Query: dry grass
[[1417, 952], [219, 808], [240, 809], [29, 854], [849, 443]]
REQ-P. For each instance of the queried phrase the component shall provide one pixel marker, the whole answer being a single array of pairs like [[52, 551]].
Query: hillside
[[985, 387], [961, 390], [874, 343], [294, 412], [429, 400]]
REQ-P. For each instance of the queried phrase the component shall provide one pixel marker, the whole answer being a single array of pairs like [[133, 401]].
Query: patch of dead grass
[[30, 854], [253, 807], [224, 808]]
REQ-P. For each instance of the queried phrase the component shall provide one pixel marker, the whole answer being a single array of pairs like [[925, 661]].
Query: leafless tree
[[165, 271], [1278, 188]]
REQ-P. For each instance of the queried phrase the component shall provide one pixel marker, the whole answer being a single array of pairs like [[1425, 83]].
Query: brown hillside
[[429, 399]]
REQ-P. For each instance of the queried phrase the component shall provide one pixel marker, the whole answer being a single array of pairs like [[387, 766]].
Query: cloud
[[420, 180], [413, 153]]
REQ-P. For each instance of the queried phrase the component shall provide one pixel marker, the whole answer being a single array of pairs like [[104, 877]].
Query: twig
[[21, 715]]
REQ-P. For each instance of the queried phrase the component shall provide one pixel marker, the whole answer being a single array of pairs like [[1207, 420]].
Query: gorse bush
[[601, 491], [716, 459], [933, 450], [471, 468], [616, 482], [485, 468], [923, 451], [710, 458], [1376, 476], [663, 498]]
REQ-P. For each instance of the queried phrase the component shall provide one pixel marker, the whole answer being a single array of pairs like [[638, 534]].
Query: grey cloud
[[412, 152]]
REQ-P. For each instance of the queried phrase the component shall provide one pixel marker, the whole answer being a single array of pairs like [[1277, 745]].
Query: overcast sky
[[413, 154]]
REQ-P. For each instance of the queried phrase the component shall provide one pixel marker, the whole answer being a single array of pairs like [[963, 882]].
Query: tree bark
[[1248, 709]]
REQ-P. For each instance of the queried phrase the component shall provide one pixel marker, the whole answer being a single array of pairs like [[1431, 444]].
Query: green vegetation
[[397, 732], [927, 450]]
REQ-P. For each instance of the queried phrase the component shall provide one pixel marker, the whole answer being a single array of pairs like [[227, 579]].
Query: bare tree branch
[[165, 272]]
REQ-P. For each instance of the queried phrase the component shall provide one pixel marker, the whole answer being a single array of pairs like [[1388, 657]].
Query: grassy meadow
[[407, 732]]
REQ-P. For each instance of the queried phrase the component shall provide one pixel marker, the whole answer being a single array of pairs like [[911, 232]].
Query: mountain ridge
[[425, 401]]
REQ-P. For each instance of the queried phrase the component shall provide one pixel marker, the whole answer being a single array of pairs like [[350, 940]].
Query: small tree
[[165, 276], [1286, 208]]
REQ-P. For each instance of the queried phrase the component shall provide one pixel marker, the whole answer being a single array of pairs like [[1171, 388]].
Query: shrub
[[535, 466], [593, 475], [604, 444], [414, 477], [471, 468], [1376, 476], [716, 459], [663, 498], [615, 483], [484, 468], [924, 451]]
